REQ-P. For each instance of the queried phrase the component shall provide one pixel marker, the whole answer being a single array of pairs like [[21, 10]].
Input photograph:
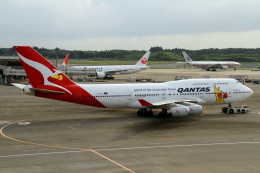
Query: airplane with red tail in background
[[107, 71]]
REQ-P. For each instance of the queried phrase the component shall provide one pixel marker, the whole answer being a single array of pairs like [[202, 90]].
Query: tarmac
[[41, 135]]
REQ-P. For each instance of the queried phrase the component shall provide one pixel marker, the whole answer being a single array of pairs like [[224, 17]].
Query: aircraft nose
[[249, 92]]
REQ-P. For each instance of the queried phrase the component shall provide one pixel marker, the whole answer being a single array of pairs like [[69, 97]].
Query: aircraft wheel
[[231, 111], [144, 112], [224, 110], [140, 112], [243, 111], [163, 114], [149, 113], [207, 69]]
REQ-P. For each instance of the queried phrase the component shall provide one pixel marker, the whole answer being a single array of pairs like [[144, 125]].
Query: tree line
[[157, 54]]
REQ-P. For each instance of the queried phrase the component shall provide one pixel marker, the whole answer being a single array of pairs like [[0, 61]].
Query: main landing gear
[[164, 114], [145, 112], [207, 69], [108, 77], [149, 113]]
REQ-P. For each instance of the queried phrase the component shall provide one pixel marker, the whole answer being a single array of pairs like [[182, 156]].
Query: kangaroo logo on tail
[[40, 71]]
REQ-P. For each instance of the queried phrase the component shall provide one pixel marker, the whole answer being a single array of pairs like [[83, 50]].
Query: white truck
[[239, 110]]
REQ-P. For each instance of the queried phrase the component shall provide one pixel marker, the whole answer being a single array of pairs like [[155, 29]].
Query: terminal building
[[11, 70]]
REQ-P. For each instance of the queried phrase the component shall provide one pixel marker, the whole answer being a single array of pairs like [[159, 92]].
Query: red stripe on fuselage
[[79, 95]]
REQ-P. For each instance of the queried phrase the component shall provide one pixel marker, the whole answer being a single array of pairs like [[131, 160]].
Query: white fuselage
[[114, 69], [204, 64], [204, 91]]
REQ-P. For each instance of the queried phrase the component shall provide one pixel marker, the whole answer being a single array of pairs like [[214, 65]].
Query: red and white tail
[[144, 60], [39, 70], [66, 60]]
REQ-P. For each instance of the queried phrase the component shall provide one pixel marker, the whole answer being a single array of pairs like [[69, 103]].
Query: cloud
[[77, 20]]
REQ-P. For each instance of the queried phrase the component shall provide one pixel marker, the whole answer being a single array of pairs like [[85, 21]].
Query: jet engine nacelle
[[100, 75], [179, 111], [27, 90], [195, 109], [224, 67]]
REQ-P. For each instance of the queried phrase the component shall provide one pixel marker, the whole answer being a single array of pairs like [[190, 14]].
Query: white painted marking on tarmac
[[34, 154], [5, 122], [134, 148], [214, 140], [38, 150], [161, 143], [24, 123], [104, 146], [168, 146]]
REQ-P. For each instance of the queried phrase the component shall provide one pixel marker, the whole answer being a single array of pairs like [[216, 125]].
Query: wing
[[115, 71], [167, 104]]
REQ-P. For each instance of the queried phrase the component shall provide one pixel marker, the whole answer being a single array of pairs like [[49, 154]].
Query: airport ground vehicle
[[241, 109], [256, 81]]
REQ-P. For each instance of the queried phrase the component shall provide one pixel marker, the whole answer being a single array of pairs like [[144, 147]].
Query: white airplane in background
[[179, 98], [210, 64], [110, 70]]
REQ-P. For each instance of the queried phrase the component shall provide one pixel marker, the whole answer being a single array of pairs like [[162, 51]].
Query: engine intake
[[100, 75], [224, 67], [179, 111]]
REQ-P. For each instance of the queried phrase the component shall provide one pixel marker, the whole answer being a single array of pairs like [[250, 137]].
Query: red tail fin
[[39, 70], [66, 60]]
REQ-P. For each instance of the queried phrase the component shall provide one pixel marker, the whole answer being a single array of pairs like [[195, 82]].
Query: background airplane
[[110, 70], [180, 98], [210, 64]]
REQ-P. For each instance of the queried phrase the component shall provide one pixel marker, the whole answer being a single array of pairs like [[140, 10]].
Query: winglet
[[186, 57], [66, 60], [144, 103], [144, 60]]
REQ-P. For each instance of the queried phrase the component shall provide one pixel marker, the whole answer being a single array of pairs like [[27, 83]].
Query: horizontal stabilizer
[[21, 86], [47, 91]]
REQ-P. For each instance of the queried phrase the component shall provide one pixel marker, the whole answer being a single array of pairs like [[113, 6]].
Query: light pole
[[57, 49]]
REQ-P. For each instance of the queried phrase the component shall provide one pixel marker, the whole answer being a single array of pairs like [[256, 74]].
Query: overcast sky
[[130, 24]]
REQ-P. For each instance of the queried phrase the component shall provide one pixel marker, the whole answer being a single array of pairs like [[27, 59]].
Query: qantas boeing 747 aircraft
[[178, 98]]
